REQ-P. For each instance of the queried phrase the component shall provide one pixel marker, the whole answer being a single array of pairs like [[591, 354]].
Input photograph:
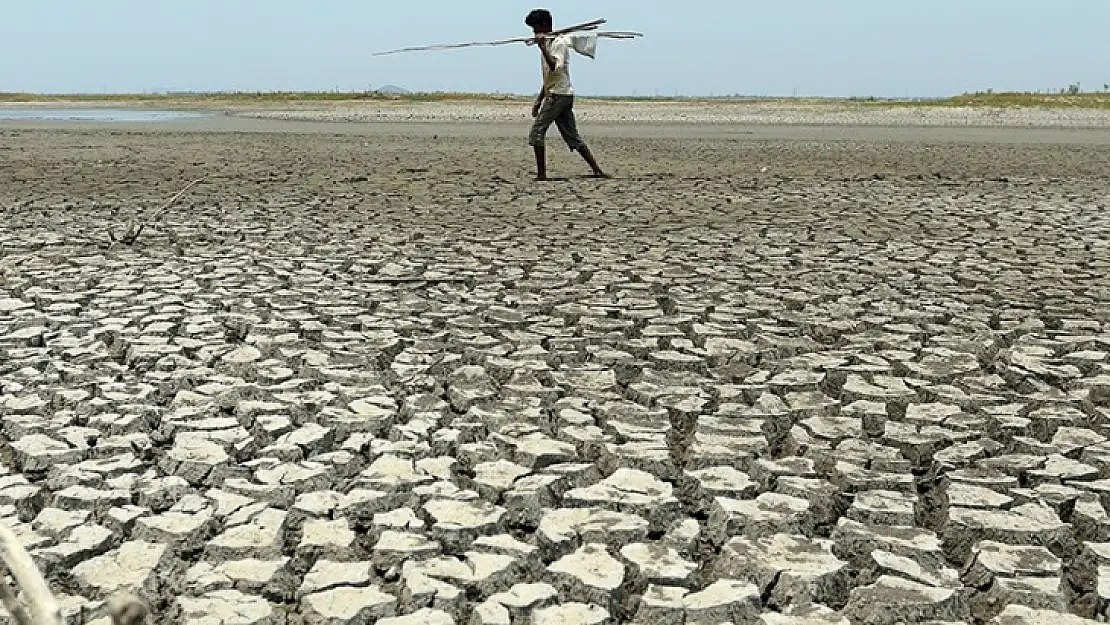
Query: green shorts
[[557, 109]]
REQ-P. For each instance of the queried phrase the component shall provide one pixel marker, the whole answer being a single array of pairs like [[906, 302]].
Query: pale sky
[[885, 48]]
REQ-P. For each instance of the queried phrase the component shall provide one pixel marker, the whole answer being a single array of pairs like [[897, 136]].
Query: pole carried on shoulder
[[590, 27]]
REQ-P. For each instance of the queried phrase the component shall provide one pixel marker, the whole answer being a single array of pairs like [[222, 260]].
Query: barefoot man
[[555, 103]]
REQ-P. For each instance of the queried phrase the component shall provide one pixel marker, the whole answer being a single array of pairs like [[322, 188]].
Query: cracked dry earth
[[388, 380]]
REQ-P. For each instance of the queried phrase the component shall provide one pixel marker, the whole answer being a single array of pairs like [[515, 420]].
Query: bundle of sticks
[[590, 27]]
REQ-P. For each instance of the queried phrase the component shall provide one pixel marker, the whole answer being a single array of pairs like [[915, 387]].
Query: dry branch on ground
[[136, 226]]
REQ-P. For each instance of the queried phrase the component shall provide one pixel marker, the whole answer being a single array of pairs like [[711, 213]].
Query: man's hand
[[539, 102]]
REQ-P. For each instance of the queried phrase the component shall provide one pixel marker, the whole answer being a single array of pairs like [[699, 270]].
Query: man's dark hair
[[538, 17]]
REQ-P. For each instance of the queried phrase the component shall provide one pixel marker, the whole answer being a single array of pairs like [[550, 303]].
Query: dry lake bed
[[791, 366]]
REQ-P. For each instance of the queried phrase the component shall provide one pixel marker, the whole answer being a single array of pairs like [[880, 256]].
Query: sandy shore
[[618, 119], [742, 113], [372, 370]]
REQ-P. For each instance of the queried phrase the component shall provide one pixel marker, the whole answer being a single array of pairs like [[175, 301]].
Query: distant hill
[[392, 90]]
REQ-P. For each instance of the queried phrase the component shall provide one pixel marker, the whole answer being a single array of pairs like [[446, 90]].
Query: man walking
[[555, 103]]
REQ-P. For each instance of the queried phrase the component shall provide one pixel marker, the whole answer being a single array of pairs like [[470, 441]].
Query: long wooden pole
[[43, 607], [584, 27]]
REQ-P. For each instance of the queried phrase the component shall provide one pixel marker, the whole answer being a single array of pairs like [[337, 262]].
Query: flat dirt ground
[[768, 374]]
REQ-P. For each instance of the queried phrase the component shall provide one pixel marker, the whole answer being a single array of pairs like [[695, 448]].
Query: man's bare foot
[[541, 178], [602, 175]]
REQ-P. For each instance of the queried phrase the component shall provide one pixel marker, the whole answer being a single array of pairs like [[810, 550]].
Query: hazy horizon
[[804, 48]]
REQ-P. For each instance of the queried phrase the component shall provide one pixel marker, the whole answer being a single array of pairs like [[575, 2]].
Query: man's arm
[[553, 58], [545, 48]]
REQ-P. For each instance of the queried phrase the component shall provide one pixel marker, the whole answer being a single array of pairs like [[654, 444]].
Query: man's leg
[[592, 162], [541, 162], [568, 127], [539, 131]]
